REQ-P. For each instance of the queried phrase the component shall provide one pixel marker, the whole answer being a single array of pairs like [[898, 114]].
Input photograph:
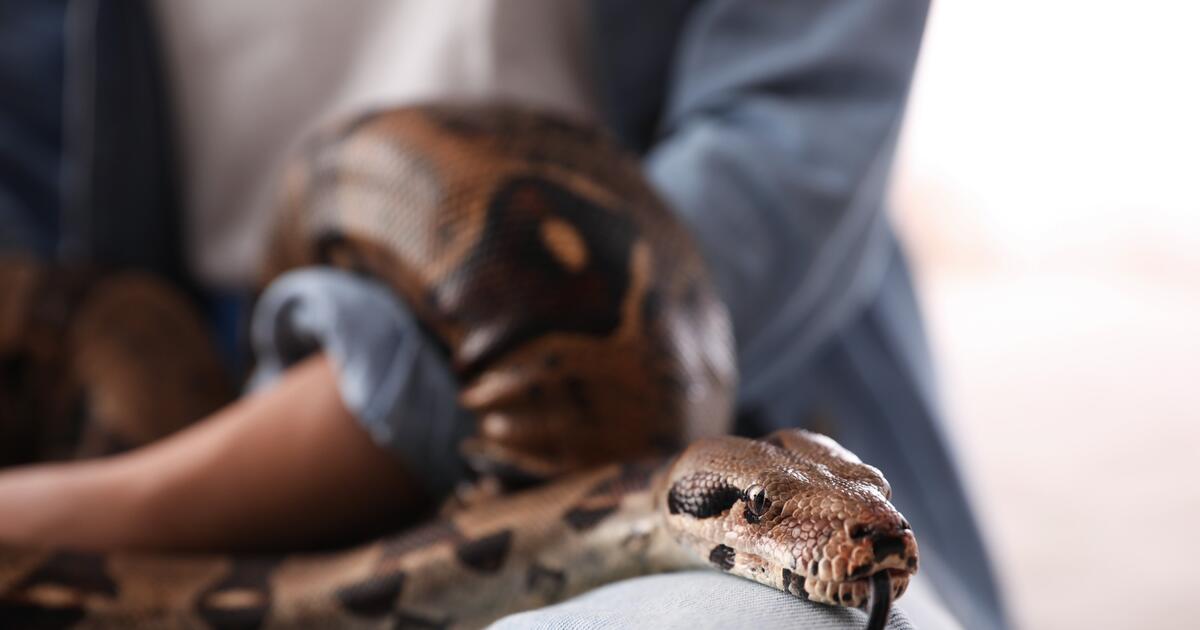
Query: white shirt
[[250, 78]]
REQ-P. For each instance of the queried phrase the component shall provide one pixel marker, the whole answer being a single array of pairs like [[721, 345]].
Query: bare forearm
[[285, 467], [75, 504]]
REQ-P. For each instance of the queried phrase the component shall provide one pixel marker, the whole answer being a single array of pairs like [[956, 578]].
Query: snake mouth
[[814, 582], [857, 592], [880, 562], [897, 582], [854, 578]]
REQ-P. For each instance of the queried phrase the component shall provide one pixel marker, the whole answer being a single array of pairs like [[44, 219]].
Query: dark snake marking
[[887, 546], [541, 579], [794, 584], [250, 578], [722, 557], [702, 495], [583, 518], [486, 554], [554, 298], [84, 573], [372, 599]]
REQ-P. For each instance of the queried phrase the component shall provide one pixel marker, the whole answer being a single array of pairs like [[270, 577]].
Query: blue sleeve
[[391, 378], [775, 146], [32, 41]]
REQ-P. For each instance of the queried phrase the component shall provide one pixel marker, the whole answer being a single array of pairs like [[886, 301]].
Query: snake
[[590, 348]]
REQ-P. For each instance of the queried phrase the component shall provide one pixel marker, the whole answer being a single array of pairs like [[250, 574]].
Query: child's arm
[[283, 468]]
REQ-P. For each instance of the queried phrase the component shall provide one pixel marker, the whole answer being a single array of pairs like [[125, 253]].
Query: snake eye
[[756, 500]]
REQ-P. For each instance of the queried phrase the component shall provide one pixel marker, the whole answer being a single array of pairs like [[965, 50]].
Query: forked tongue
[[880, 601]]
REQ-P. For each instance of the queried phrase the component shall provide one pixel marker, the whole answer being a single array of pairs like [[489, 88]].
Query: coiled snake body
[[590, 348]]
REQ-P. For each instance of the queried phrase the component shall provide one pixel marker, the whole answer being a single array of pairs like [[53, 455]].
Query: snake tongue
[[881, 600]]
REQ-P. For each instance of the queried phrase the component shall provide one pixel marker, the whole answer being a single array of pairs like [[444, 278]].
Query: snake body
[[589, 346], [573, 307], [795, 512]]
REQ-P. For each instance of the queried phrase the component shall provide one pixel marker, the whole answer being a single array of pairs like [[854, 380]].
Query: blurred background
[[1047, 188]]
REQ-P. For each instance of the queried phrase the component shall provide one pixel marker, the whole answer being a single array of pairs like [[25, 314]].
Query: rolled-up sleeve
[[390, 376], [775, 145]]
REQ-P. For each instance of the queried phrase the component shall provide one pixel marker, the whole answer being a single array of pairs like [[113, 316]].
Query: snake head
[[795, 511]]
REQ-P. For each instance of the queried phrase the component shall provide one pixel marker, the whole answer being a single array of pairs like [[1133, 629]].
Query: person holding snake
[[470, 289]]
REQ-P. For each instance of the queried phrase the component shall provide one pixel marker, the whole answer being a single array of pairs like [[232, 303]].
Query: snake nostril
[[887, 546]]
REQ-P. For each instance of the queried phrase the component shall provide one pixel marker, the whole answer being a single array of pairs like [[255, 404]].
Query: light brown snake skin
[[580, 322]]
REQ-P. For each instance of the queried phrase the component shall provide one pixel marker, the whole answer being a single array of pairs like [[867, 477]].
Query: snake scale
[[589, 346]]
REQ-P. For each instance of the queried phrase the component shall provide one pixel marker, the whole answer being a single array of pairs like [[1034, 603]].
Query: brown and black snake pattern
[[573, 307], [795, 512], [92, 364], [578, 318]]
